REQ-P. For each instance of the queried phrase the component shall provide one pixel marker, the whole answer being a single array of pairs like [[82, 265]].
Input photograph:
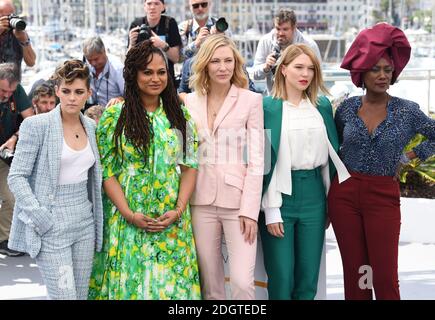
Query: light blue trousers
[[67, 249]]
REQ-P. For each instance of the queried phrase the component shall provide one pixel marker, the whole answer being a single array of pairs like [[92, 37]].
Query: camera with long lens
[[221, 25], [144, 33], [15, 22]]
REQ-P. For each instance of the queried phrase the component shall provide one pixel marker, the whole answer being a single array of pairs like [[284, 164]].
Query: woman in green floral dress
[[149, 173]]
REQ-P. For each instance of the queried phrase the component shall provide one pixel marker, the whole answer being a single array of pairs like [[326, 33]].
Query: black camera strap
[[97, 89]]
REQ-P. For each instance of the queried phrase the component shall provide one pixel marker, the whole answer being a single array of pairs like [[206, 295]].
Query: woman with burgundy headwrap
[[373, 130]]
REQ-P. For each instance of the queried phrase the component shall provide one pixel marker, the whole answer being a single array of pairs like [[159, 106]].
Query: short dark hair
[[10, 72], [71, 70], [285, 15]]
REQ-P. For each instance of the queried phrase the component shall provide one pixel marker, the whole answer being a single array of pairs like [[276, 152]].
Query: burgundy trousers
[[365, 214]]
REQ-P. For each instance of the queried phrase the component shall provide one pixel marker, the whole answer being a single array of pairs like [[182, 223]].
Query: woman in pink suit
[[227, 195]]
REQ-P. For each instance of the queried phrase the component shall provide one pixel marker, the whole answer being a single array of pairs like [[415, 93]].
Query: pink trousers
[[210, 223]]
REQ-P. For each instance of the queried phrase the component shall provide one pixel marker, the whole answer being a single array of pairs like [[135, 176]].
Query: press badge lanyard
[[97, 89]]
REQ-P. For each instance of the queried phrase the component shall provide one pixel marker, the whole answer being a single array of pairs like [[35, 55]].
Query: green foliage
[[425, 169]]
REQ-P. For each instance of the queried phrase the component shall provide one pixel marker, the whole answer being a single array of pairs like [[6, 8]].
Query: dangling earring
[[363, 87]]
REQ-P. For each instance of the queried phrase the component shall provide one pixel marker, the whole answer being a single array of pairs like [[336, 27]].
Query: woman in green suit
[[303, 141]]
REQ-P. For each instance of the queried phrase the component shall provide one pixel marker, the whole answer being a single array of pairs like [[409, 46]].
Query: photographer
[[194, 31], [13, 104], [107, 82], [160, 29], [14, 43], [272, 44], [44, 98]]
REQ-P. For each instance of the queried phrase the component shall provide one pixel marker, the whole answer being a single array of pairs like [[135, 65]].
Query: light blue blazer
[[33, 179]]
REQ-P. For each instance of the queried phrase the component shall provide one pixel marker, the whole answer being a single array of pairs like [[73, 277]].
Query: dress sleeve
[[191, 159], [110, 159], [28, 208], [425, 126]]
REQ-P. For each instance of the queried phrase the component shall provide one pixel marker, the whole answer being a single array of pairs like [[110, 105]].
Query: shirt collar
[[304, 103], [105, 70], [195, 25]]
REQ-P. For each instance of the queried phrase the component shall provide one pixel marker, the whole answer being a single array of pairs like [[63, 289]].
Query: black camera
[[221, 25], [15, 22], [144, 33], [276, 54]]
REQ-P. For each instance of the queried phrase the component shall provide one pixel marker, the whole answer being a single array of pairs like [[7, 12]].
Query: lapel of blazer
[[228, 104], [325, 109], [90, 133], [91, 138], [55, 141], [272, 123], [201, 105]]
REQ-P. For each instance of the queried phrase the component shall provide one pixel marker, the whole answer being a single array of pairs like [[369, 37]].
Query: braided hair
[[133, 121]]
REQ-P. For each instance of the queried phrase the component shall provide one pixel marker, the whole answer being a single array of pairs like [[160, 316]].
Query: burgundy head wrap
[[381, 41]]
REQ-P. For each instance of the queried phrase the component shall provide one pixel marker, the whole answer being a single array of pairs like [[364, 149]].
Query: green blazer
[[272, 120]]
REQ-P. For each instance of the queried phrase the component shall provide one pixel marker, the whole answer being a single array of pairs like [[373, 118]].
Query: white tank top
[[74, 165]]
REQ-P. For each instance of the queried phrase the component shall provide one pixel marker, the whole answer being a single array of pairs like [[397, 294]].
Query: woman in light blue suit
[[56, 180]]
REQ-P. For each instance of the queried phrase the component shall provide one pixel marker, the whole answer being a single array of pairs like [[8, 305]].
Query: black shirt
[[10, 49], [10, 113], [168, 32]]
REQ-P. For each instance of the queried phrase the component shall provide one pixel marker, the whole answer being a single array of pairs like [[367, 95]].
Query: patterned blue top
[[379, 153]]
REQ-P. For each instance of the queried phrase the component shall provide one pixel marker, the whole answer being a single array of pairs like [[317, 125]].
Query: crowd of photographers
[[180, 42]]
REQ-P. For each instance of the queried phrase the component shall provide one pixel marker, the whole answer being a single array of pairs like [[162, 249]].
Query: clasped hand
[[154, 225]]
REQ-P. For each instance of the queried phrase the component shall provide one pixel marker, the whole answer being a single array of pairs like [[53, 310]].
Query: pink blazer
[[231, 156]]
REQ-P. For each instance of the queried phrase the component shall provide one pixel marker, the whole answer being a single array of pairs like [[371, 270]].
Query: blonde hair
[[200, 80], [291, 53]]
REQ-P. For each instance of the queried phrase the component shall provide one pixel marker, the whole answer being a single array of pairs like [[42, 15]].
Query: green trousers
[[292, 263]]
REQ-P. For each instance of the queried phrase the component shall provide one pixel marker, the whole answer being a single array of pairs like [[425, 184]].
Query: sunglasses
[[202, 4]]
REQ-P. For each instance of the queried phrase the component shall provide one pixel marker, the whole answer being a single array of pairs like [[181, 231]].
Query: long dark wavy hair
[[133, 121]]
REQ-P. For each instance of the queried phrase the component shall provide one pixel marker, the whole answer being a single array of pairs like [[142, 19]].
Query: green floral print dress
[[135, 264]]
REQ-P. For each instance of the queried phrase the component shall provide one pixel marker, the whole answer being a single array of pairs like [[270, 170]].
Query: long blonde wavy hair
[[200, 80]]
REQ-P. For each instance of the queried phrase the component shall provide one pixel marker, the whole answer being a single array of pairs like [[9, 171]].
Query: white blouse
[[74, 165], [304, 145], [304, 134]]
